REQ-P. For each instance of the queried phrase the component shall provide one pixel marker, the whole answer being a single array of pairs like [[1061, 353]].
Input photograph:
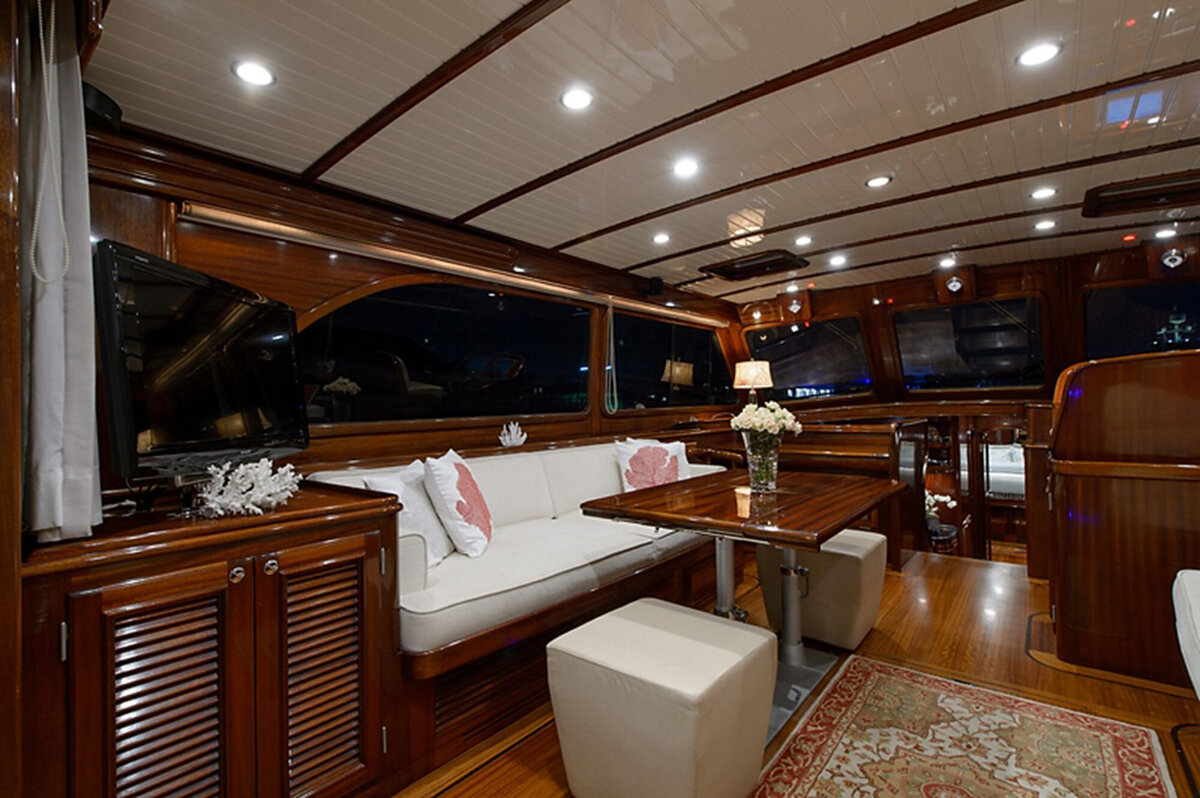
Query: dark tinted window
[[444, 351], [818, 359], [972, 346], [660, 364], [1143, 318]]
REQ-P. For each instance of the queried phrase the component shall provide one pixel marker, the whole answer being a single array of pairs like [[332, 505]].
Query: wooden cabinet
[[253, 669]]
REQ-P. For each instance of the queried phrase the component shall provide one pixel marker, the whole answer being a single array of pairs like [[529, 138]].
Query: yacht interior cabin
[[491, 282]]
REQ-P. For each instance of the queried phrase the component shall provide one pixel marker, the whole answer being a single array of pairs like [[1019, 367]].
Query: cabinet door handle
[[270, 567], [237, 574]]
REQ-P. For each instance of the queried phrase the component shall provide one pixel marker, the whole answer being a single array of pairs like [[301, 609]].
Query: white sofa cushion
[[579, 473], [459, 503], [464, 596], [514, 486], [417, 513], [1186, 596], [646, 463]]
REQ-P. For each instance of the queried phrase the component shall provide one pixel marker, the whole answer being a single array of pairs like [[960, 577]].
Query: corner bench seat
[[543, 549]]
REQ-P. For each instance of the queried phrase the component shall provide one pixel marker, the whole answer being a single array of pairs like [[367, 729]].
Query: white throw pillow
[[459, 503], [417, 514], [646, 463]]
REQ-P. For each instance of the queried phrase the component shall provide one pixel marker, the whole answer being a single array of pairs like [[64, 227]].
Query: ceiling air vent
[[1144, 194], [750, 266]]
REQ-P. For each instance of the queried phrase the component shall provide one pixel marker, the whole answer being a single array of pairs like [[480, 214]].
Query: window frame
[[670, 409], [869, 395]]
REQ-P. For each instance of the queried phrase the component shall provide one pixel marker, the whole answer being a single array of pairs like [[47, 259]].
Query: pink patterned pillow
[[646, 463], [459, 503]]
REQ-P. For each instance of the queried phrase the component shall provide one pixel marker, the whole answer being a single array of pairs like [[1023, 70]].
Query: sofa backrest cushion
[[579, 473], [646, 463], [417, 513], [514, 486], [459, 502]]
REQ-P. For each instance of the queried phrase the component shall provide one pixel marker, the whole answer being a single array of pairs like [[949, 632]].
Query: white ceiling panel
[[168, 65]]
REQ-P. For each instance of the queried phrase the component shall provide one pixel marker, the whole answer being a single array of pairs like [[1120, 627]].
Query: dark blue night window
[[1135, 319], [820, 358]]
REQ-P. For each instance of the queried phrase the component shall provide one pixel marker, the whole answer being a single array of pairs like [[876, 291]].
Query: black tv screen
[[195, 370]]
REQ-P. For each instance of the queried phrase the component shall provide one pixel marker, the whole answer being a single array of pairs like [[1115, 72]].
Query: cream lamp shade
[[753, 374], [678, 372]]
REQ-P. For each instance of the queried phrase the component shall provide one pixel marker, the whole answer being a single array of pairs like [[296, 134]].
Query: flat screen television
[[195, 370]]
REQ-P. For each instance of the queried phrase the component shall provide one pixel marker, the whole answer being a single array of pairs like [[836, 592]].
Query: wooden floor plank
[[971, 620]]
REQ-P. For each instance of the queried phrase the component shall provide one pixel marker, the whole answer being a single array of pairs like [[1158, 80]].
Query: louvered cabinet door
[[161, 685], [319, 689]]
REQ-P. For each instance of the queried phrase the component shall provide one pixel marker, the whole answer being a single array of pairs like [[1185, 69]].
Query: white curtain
[[61, 479]]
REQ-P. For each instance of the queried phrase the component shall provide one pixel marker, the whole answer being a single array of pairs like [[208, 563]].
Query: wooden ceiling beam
[[1041, 171], [510, 28], [971, 248], [1002, 115], [919, 30]]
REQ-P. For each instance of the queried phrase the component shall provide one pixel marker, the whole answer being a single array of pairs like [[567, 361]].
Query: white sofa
[[543, 549], [1005, 463]]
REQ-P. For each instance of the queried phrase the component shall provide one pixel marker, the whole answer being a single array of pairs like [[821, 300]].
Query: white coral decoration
[[932, 500], [511, 434], [769, 418], [343, 385], [249, 489]]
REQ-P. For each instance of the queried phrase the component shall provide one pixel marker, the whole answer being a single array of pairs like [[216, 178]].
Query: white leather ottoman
[[845, 586], [1185, 594], [655, 699]]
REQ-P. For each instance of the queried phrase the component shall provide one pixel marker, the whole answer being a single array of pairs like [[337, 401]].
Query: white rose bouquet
[[761, 429]]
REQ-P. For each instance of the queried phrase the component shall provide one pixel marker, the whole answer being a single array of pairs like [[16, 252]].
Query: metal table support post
[[725, 606]]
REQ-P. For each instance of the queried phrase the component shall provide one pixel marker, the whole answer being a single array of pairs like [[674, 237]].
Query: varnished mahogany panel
[[1037, 490], [804, 511]]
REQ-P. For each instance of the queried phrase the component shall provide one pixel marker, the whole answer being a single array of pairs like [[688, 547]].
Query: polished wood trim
[[1086, 468], [89, 25], [995, 180], [158, 533], [884, 43], [10, 410], [975, 122], [508, 29], [969, 248]]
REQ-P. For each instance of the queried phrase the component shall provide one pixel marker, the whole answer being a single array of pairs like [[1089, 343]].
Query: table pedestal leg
[[725, 582], [800, 668]]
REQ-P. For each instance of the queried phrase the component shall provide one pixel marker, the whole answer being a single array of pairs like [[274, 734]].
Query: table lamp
[[753, 374]]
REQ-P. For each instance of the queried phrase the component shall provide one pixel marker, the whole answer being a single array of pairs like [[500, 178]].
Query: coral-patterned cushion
[[459, 503], [646, 463]]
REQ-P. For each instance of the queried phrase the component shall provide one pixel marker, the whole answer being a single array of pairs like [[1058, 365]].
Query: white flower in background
[[770, 418], [249, 489], [932, 500], [343, 385]]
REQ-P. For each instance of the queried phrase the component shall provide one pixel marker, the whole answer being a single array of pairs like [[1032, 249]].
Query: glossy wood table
[[804, 511]]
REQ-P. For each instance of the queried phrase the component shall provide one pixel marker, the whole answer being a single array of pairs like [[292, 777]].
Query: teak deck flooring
[[980, 622]]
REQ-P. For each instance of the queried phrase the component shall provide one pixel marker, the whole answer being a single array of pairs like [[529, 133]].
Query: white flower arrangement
[[932, 500], [343, 385], [249, 489], [769, 418], [511, 434]]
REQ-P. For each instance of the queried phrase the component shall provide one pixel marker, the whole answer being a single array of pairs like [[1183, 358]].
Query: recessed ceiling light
[[1045, 224], [576, 99], [879, 181], [792, 288], [1165, 233], [661, 238], [253, 73], [837, 260], [803, 241], [1044, 193], [686, 167], [670, 304], [947, 262], [1039, 54], [519, 269], [1154, 120]]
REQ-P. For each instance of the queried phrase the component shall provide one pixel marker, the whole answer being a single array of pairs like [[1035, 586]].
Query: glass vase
[[762, 460]]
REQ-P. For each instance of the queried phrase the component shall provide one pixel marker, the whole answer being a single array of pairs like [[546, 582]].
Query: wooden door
[[161, 684], [319, 688]]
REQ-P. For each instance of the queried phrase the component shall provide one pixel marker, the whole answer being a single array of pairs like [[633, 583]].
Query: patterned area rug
[[881, 730]]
